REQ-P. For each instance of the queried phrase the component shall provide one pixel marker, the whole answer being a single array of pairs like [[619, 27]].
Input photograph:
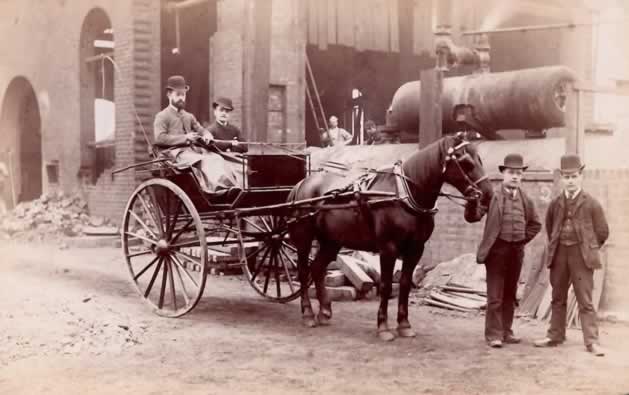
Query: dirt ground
[[71, 323]]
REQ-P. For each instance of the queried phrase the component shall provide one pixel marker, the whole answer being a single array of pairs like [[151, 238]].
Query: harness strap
[[404, 193]]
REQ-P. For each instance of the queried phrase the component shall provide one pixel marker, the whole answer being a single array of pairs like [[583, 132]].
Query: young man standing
[[511, 223], [577, 228]]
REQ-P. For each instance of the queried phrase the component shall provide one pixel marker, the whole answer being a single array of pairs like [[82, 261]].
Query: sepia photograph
[[295, 197]]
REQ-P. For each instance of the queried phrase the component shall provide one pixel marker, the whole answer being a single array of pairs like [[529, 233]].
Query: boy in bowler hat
[[511, 223], [577, 228], [221, 129]]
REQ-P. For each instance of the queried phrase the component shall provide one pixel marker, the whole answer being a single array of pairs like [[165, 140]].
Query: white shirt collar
[[574, 195]]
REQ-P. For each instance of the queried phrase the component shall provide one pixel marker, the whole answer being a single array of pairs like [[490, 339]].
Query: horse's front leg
[[387, 261], [409, 262]]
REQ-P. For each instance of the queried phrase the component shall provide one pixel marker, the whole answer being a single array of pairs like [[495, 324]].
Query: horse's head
[[463, 169]]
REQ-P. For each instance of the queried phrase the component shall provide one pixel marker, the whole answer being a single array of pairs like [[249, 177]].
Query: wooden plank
[[393, 26], [380, 18], [345, 26], [334, 278], [361, 281], [471, 296], [458, 288], [332, 21], [437, 303], [313, 22], [370, 264], [323, 24], [337, 294], [544, 306], [456, 301]]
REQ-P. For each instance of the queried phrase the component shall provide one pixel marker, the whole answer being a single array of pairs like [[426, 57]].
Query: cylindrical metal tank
[[529, 99]]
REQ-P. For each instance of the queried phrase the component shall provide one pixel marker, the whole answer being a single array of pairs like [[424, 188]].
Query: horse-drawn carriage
[[173, 233]]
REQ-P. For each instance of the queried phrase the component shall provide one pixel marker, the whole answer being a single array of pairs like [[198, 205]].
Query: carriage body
[[174, 234]]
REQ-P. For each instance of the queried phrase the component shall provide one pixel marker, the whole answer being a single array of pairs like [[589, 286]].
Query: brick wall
[[137, 97]]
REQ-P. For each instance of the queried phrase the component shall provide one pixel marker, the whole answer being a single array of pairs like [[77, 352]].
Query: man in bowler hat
[[577, 228], [176, 131], [221, 129], [511, 223]]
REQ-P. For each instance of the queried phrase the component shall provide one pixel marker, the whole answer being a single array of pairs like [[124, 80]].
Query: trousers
[[503, 265], [568, 268]]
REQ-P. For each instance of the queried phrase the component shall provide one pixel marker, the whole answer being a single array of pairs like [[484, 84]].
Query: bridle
[[473, 191]]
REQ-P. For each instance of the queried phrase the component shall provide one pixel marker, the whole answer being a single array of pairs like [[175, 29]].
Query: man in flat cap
[[176, 130], [222, 130], [577, 228], [511, 223]]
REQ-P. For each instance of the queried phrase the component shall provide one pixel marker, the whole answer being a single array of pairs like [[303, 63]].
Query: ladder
[[312, 93]]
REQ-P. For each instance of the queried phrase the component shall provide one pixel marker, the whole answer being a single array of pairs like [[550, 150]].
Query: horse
[[395, 229]]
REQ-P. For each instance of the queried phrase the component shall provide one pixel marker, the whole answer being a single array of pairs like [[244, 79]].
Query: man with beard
[[176, 132]]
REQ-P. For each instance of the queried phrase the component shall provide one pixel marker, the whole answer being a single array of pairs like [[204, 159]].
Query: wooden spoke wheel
[[269, 259], [165, 248]]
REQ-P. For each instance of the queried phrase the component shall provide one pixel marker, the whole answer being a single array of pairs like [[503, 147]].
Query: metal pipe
[[551, 26]]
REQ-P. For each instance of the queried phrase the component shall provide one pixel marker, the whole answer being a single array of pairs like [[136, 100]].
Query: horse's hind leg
[[327, 252], [409, 262], [387, 261], [303, 270]]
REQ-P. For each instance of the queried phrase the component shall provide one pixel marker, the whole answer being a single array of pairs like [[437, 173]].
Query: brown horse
[[394, 229]]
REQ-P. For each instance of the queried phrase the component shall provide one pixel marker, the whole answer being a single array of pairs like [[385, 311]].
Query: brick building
[[61, 57]]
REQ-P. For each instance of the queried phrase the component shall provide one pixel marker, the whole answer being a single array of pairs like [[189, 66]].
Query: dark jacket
[[227, 132], [589, 223], [494, 218]]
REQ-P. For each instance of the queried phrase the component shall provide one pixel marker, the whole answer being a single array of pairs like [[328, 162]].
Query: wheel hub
[[162, 247]]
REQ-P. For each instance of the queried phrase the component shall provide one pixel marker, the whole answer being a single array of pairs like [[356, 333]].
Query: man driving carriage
[[179, 135]]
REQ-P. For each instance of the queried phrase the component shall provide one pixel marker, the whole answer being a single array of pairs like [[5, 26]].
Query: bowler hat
[[513, 161], [177, 82], [223, 101], [571, 163]]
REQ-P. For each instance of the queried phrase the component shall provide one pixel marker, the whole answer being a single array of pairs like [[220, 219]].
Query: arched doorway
[[20, 127], [96, 75]]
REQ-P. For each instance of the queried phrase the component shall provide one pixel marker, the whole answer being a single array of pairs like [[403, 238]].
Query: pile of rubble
[[52, 216]]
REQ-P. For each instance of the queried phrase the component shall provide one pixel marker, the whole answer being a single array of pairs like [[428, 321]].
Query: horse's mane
[[424, 165]]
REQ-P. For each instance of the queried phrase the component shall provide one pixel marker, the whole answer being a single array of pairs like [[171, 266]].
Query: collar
[[173, 108], [221, 124], [574, 195]]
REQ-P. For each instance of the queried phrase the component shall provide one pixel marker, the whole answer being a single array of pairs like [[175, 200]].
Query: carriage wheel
[[159, 229], [269, 259]]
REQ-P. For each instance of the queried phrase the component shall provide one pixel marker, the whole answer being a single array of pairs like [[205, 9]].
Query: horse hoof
[[406, 332], [386, 336], [323, 319], [310, 322]]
